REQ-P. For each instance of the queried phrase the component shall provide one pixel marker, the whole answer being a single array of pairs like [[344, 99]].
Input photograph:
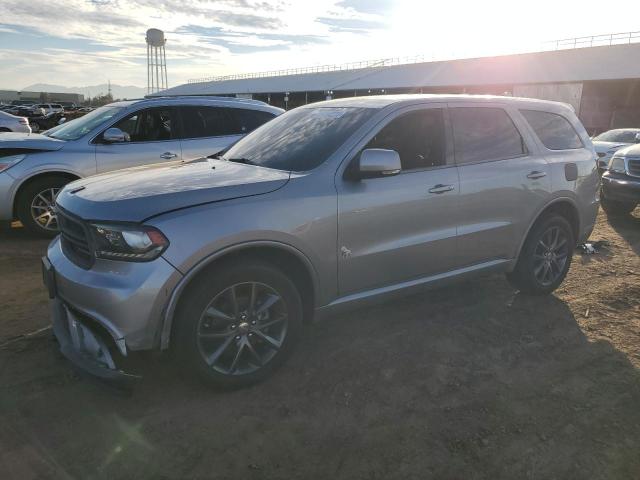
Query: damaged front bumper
[[80, 342]]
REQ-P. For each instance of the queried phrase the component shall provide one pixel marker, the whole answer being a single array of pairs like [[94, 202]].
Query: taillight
[[23, 121]]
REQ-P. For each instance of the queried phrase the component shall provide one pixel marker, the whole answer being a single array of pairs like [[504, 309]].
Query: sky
[[88, 42]]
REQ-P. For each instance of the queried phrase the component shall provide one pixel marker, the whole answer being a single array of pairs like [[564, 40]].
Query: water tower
[[156, 61]]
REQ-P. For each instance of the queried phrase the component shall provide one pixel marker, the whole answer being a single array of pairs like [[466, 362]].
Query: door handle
[[168, 155], [440, 188], [536, 174]]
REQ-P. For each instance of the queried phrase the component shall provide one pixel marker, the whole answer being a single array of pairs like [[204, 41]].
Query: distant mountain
[[118, 91]]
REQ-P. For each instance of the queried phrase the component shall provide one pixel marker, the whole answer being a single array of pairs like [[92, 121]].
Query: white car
[[608, 143], [11, 123], [48, 107]]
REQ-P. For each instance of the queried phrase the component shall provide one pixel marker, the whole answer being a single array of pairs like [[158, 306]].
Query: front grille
[[75, 240], [633, 165]]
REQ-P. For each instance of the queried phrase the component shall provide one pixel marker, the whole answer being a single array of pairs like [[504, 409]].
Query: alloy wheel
[[43, 209], [242, 328], [550, 256]]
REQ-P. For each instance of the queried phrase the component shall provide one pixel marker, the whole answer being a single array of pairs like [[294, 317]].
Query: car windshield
[[299, 140], [622, 136], [83, 125]]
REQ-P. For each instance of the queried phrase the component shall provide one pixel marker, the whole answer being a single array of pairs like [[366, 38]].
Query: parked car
[[123, 134], [607, 143], [330, 205], [620, 190], [41, 123], [48, 108], [11, 123]]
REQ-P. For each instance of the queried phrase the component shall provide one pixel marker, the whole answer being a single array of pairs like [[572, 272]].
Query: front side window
[[200, 122], [485, 133], [300, 139], [152, 125], [417, 136], [553, 130]]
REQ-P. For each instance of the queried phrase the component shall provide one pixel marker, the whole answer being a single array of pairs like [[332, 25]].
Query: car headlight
[[617, 165], [9, 161], [134, 243]]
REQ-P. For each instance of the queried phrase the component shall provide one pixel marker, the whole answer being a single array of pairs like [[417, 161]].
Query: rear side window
[[199, 122], [249, 120], [483, 133], [553, 130]]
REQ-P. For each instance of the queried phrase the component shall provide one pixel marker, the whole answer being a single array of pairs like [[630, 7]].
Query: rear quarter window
[[553, 130]]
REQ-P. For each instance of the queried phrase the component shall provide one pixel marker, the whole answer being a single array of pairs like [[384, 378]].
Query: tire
[[614, 208], [538, 271], [3, 129], [227, 338], [46, 187]]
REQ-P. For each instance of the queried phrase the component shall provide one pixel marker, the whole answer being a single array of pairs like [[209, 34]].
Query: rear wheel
[[3, 129], [545, 257], [237, 326], [36, 205]]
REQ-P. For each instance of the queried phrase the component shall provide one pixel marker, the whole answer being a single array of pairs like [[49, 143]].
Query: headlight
[[617, 165], [134, 243], [9, 161]]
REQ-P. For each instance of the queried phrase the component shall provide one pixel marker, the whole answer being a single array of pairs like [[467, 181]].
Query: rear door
[[504, 180], [206, 130], [151, 138], [399, 228]]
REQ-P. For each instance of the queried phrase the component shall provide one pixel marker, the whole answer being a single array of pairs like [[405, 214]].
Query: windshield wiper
[[245, 161]]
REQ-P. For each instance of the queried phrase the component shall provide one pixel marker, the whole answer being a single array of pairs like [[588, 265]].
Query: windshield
[[622, 136], [299, 140], [83, 125]]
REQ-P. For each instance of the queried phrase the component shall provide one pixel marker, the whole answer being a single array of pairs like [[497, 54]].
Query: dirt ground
[[469, 382]]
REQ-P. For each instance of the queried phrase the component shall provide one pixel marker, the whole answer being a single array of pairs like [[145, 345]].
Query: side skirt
[[383, 294]]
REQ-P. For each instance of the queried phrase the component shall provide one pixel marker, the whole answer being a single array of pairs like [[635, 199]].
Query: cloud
[[82, 41]]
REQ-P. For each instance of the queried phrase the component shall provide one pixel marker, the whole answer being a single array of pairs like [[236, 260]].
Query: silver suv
[[328, 206], [33, 168]]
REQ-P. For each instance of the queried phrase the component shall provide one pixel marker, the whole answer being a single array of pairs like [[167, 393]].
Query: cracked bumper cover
[[84, 348]]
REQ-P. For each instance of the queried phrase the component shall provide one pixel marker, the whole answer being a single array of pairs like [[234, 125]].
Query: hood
[[632, 150], [136, 194], [604, 147], [29, 141]]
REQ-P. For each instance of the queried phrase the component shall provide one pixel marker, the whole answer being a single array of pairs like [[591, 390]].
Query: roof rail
[[205, 97]]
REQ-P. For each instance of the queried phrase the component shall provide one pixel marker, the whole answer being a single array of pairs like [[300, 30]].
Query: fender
[[169, 311], [34, 173], [537, 216]]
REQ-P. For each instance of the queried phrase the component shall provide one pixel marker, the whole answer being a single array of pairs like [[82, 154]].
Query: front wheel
[[36, 205], [238, 324], [545, 257]]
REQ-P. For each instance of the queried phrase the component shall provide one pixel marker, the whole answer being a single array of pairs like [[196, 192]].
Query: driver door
[[150, 137], [403, 227]]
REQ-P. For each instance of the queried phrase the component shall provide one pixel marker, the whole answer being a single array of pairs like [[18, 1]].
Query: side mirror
[[115, 135], [378, 162], [62, 120], [637, 137]]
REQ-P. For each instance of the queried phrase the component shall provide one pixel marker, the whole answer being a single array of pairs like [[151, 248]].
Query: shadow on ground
[[467, 382]]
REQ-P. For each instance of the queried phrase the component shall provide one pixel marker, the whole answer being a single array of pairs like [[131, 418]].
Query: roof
[[580, 64], [180, 99], [381, 101]]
